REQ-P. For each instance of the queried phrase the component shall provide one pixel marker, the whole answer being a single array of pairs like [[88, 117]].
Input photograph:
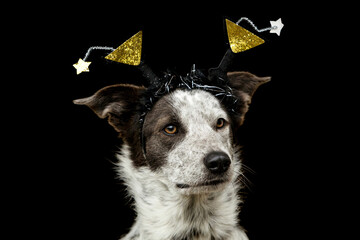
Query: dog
[[180, 160]]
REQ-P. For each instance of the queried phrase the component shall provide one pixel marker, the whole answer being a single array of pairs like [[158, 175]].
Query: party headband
[[129, 52], [215, 81]]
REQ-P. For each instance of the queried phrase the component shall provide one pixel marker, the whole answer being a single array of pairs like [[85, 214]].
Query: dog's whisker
[[247, 168], [244, 180]]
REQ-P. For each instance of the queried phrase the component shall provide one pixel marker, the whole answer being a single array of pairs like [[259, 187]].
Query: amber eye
[[170, 129], [220, 123]]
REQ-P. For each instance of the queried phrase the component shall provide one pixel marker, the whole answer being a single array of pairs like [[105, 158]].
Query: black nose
[[217, 162]]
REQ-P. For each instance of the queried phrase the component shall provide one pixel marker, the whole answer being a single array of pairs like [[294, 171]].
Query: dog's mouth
[[207, 183]]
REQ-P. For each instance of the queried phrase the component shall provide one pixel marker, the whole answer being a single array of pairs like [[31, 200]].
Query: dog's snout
[[217, 162]]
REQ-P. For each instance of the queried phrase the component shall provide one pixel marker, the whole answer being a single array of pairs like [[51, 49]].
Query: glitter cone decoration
[[241, 39], [129, 52]]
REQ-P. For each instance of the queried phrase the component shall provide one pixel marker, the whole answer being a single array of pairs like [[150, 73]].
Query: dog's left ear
[[244, 85], [117, 103]]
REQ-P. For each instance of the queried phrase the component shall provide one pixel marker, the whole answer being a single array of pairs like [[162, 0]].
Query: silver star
[[278, 25]]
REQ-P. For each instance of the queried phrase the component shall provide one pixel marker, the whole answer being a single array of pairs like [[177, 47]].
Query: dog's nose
[[217, 162]]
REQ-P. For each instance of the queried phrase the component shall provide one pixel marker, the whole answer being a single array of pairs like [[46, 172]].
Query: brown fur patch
[[157, 143]]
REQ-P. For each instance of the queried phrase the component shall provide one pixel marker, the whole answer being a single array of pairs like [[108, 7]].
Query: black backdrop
[[74, 192]]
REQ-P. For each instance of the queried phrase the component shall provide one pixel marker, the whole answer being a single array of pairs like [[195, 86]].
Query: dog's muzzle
[[218, 164]]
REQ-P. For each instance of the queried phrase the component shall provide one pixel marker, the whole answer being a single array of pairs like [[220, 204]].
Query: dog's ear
[[117, 102], [244, 85], [246, 82]]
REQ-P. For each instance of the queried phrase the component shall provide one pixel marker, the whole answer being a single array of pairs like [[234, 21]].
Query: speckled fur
[[198, 213], [198, 111]]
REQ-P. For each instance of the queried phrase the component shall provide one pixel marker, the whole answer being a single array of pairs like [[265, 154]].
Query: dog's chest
[[211, 217]]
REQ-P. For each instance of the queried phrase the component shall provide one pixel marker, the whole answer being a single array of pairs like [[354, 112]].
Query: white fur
[[165, 212], [199, 112]]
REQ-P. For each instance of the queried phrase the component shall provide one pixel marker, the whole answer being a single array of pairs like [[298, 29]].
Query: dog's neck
[[163, 213]]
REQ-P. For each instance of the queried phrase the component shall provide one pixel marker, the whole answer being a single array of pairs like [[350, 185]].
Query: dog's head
[[188, 136]]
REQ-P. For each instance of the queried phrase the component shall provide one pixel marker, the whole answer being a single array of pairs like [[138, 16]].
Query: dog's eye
[[170, 130], [220, 123]]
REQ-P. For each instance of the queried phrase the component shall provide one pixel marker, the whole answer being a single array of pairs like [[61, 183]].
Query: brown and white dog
[[183, 167]]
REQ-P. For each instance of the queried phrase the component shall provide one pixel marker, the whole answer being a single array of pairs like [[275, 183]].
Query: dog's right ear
[[117, 102]]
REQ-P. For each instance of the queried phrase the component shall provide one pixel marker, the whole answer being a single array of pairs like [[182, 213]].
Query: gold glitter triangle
[[241, 39], [129, 52]]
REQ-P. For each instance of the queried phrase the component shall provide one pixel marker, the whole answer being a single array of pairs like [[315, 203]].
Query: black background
[[67, 187]]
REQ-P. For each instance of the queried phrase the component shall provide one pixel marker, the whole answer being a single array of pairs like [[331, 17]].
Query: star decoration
[[278, 24], [81, 66]]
